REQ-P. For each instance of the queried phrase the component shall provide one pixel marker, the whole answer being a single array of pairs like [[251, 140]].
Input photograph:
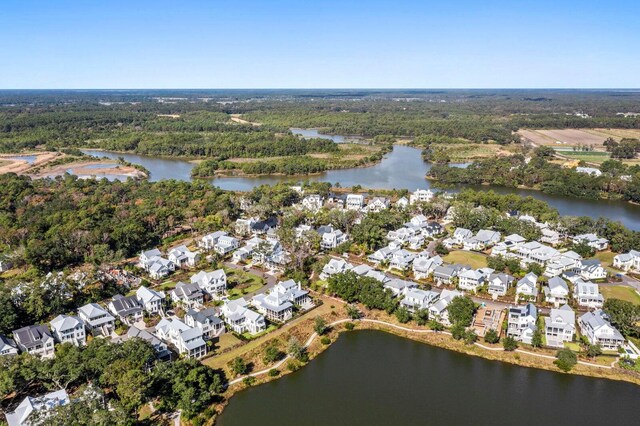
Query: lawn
[[606, 257], [620, 292], [475, 260], [241, 282], [573, 346]]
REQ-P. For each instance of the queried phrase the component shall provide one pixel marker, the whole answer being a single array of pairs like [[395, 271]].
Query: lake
[[402, 168], [373, 378]]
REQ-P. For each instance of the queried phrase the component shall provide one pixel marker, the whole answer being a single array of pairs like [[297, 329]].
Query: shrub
[[238, 366], [458, 331], [403, 315], [491, 336], [325, 340], [249, 380], [320, 326], [510, 344], [435, 325], [470, 337], [593, 351], [293, 366], [566, 359], [349, 326], [273, 372], [272, 354], [421, 316]]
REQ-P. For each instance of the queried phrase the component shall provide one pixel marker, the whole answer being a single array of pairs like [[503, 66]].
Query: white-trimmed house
[[127, 308], [590, 269], [333, 267], [226, 244], [241, 319], [332, 239], [421, 196], [560, 326], [377, 204], [151, 300], [312, 202], [592, 240], [556, 291], [439, 311], [187, 340], [7, 346], [354, 202], [484, 239], [401, 259], [460, 235], [209, 241], [627, 261], [29, 405], [398, 286], [499, 283], [416, 299], [521, 322], [527, 286], [588, 294], [402, 203], [206, 320], [96, 319], [189, 295], [471, 279], [597, 328], [157, 266], [182, 257], [274, 306], [293, 292], [35, 340], [423, 266], [68, 329], [213, 283]]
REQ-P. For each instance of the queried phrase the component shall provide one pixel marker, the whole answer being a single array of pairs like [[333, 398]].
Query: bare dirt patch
[[563, 137], [9, 163]]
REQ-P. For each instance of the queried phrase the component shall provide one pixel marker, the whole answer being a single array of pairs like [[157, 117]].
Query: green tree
[[461, 310], [565, 359], [491, 336], [421, 316], [458, 330], [320, 326], [536, 339], [624, 315], [594, 351], [296, 350], [509, 344], [470, 337], [272, 354], [238, 366], [435, 325], [403, 315]]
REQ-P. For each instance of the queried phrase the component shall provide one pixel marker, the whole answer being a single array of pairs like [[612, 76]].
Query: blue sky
[[319, 44]]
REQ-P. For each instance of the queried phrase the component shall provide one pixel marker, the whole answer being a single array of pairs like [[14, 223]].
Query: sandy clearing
[[22, 166], [236, 118]]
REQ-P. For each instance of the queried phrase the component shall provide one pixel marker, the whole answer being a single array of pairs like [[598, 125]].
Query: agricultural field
[[575, 137]]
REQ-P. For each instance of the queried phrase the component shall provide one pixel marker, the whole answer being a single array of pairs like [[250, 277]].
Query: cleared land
[[573, 137], [472, 151], [620, 292]]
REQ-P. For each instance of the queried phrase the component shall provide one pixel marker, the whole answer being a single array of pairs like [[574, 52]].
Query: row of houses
[[360, 203]]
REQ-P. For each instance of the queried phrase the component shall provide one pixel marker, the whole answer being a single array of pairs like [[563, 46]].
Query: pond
[[402, 168], [374, 378]]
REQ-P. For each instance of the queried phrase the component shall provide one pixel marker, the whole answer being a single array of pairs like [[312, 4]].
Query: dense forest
[[616, 181]]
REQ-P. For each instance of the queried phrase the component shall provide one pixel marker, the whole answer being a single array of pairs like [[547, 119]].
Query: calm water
[[373, 378], [313, 133], [28, 158], [403, 168]]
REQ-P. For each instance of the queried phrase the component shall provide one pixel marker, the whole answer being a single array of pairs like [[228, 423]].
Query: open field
[[475, 260], [571, 137], [620, 292], [472, 151]]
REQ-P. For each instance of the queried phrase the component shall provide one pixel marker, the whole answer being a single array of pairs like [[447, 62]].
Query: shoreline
[[522, 357]]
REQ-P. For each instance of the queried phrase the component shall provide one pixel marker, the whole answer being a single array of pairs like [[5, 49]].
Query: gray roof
[[32, 335], [204, 316], [125, 306], [187, 291]]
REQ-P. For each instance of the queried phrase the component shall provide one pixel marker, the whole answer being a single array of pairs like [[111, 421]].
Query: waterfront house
[[241, 319], [438, 310], [206, 320], [21, 416], [424, 266], [627, 261], [187, 340], [421, 196], [96, 319], [127, 308], [402, 203], [68, 329], [189, 295], [560, 326], [333, 267], [274, 306], [182, 257], [213, 283], [521, 322], [226, 244], [556, 291], [152, 301], [528, 286], [209, 241], [590, 269], [550, 236], [499, 283], [293, 292], [597, 328], [592, 240], [35, 340], [415, 299], [377, 204], [354, 202], [7, 346], [588, 294], [312, 202]]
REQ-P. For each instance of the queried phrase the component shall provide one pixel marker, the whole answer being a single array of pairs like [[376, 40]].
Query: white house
[[213, 283], [97, 320], [241, 319], [421, 196], [151, 300], [416, 299], [226, 244], [29, 405], [68, 329], [189, 295], [293, 292], [592, 240], [499, 283], [588, 294], [484, 239], [209, 241], [398, 286], [556, 291], [157, 266], [627, 261], [560, 326], [333, 267], [471, 279], [274, 306], [127, 308], [354, 202], [521, 322], [333, 239], [599, 331], [35, 340], [439, 311], [402, 203], [550, 236], [312, 202], [206, 320], [401, 259], [589, 171], [423, 266], [590, 269], [528, 286], [7, 346], [182, 257], [444, 274], [187, 340], [377, 204]]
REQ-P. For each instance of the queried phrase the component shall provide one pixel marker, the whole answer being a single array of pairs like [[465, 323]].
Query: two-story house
[[68, 329]]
